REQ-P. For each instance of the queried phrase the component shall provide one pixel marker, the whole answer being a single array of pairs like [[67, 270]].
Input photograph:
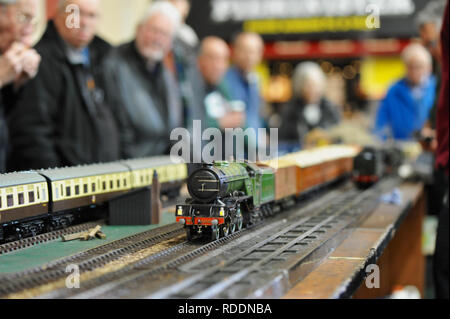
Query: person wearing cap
[[143, 92], [61, 118]]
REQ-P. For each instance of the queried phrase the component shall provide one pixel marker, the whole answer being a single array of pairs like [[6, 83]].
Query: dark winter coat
[[60, 118], [146, 102], [295, 126]]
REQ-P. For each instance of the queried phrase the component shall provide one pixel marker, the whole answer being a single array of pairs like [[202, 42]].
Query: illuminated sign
[[307, 19]]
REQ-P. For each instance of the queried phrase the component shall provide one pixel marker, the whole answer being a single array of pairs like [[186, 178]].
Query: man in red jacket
[[442, 248]]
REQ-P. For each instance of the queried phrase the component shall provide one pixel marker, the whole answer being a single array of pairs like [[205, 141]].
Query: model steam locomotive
[[373, 163], [226, 197]]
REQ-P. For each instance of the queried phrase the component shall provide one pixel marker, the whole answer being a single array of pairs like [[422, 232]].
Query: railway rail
[[86, 260], [263, 263], [45, 238], [162, 262], [56, 235]]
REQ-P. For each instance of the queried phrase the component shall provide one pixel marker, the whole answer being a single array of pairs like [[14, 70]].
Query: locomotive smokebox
[[215, 181]]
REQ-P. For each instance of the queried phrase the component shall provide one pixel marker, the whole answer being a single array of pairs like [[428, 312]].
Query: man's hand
[[233, 120], [30, 66], [11, 65]]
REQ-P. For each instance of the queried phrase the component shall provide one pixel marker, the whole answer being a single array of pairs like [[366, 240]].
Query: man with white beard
[[140, 88]]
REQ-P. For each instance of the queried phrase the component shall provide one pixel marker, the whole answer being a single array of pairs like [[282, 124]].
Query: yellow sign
[[307, 25]]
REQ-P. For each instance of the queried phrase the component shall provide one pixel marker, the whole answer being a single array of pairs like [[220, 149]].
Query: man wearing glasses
[[18, 63], [61, 118]]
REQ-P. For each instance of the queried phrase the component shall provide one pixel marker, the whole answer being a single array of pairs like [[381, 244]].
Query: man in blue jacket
[[408, 103]]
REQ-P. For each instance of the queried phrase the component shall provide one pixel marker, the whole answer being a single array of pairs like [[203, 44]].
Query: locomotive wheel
[[234, 227], [240, 223], [225, 230], [215, 233]]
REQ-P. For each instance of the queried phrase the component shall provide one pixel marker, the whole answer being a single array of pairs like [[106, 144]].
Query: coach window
[[93, 187], [104, 186], [68, 191], [21, 199], [31, 197], [124, 182], [142, 179], [62, 191], [37, 190], [86, 190], [77, 190], [10, 200], [118, 183], [111, 184], [0, 202]]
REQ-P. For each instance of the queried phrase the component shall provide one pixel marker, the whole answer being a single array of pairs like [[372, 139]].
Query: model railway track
[[55, 235], [158, 264], [150, 270], [218, 269], [45, 238], [251, 272], [86, 261]]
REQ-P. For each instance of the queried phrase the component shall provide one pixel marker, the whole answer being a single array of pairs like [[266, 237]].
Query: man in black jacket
[[142, 90], [61, 118]]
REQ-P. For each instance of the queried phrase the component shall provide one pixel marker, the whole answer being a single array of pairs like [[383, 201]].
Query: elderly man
[[408, 102], [26, 21], [143, 92], [213, 62], [241, 81], [18, 63], [61, 118]]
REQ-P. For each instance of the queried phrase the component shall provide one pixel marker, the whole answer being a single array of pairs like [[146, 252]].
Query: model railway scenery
[[32, 203], [220, 214], [223, 158]]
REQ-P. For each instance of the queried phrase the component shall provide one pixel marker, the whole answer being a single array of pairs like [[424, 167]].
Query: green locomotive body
[[226, 197]]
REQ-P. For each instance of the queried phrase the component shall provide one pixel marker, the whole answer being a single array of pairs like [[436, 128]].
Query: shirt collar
[[77, 56]]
